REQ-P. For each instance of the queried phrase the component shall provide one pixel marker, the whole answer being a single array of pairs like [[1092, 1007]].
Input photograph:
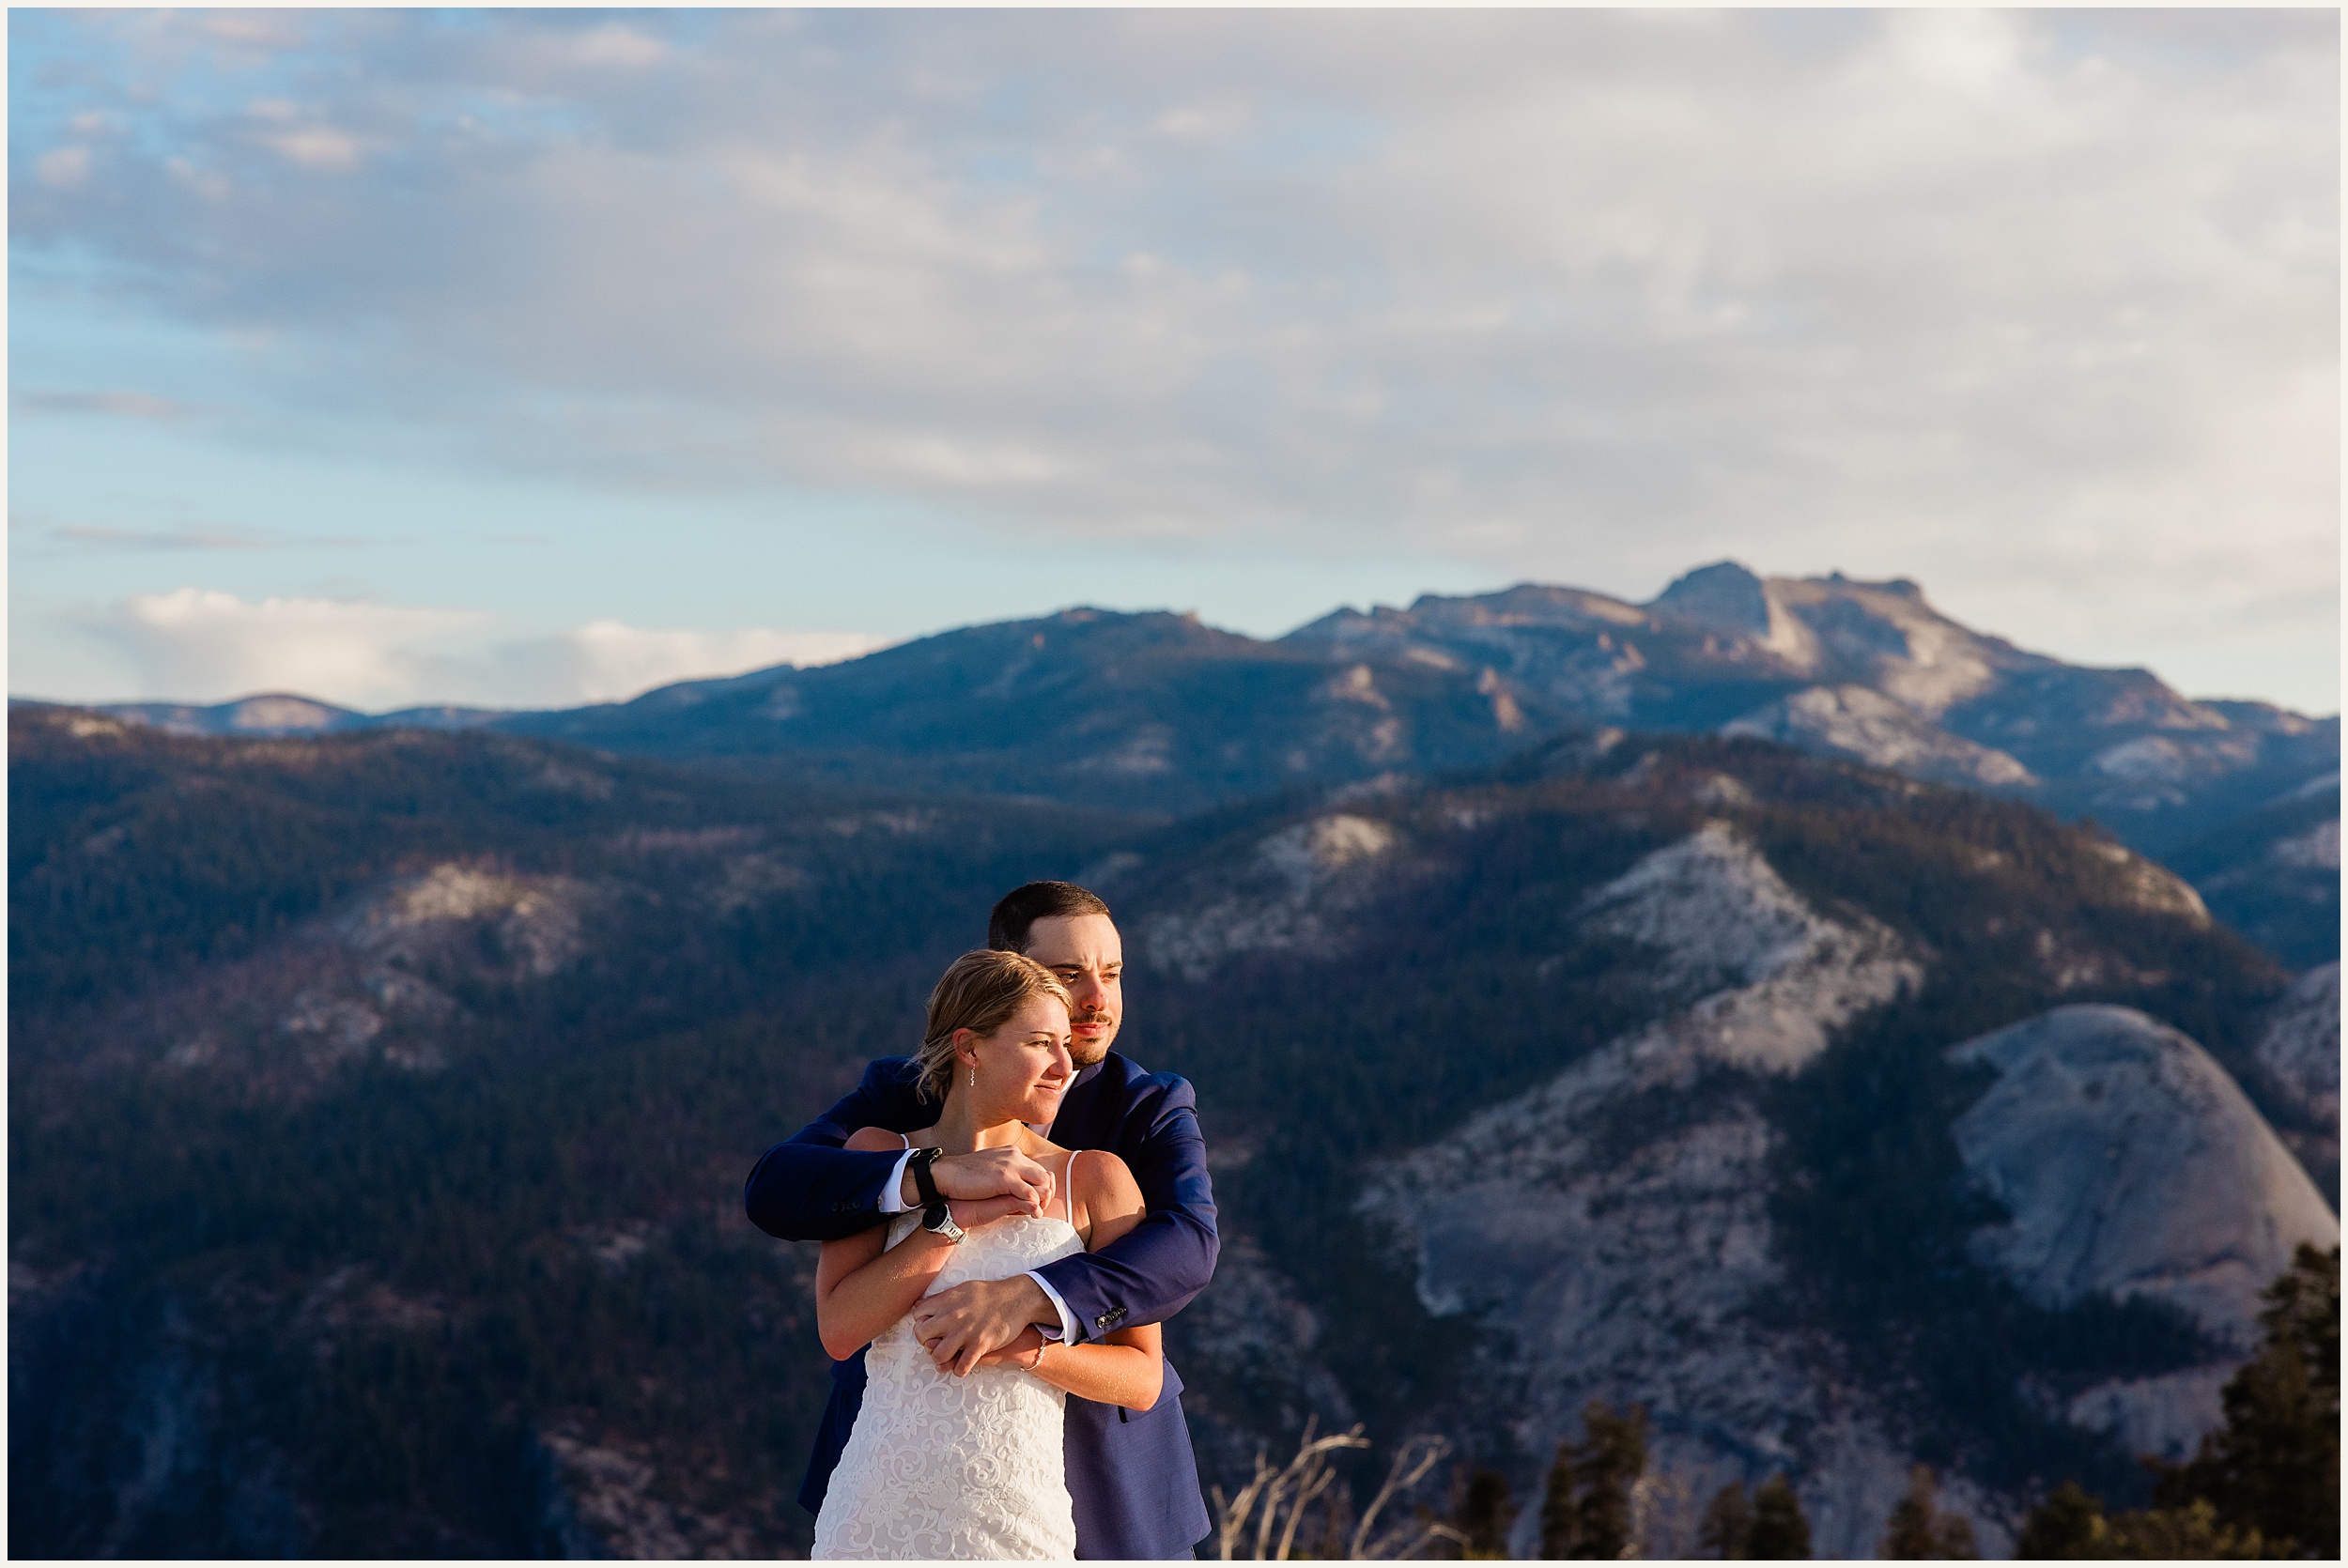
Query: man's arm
[[812, 1189], [1153, 1270]]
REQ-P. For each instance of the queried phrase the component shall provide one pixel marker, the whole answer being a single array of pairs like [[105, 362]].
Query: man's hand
[[963, 1326], [996, 1173]]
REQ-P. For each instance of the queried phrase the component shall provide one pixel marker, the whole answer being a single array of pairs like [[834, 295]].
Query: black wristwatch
[[939, 1219], [924, 1183]]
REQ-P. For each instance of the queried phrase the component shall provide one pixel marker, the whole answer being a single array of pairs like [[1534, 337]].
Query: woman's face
[[1023, 1066]]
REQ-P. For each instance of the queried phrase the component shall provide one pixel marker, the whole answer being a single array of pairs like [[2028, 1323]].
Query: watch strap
[[924, 1183]]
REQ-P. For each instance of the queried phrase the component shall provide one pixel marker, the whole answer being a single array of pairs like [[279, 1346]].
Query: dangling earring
[[974, 1078]]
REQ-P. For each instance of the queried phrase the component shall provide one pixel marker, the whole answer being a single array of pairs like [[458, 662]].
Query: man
[[1131, 1475]]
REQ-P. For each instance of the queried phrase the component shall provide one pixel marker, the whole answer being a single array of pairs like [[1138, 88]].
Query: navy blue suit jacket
[[1130, 1474]]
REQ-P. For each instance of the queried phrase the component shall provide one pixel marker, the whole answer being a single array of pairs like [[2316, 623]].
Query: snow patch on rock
[[1308, 853], [2146, 759], [1864, 725], [1356, 684], [1292, 896], [1904, 647], [537, 917], [1721, 919], [2318, 849], [2164, 1416], [2300, 1049]]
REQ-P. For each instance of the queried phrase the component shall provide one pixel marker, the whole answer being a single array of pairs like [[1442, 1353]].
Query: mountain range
[[1158, 712], [379, 1099]]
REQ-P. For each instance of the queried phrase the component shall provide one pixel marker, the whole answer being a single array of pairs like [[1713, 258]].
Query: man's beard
[[1085, 1054]]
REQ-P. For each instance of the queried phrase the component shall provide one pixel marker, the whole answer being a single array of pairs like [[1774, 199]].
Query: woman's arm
[[1127, 1367], [862, 1285]]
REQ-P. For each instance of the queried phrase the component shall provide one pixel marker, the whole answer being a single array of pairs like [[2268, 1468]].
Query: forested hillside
[[379, 1105], [1157, 711]]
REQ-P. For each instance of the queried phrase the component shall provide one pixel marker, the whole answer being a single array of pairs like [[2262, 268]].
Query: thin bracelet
[[1037, 1359]]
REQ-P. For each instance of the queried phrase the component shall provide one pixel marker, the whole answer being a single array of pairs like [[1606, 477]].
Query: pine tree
[[2069, 1524], [1727, 1523], [1558, 1532], [1779, 1530], [1918, 1529], [1587, 1511], [1485, 1512], [2266, 1483], [2273, 1467]]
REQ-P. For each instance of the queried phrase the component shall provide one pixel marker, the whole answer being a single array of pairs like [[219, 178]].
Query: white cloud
[[1985, 298], [317, 146], [606, 661], [121, 404], [613, 44], [201, 645], [198, 644], [64, 168]]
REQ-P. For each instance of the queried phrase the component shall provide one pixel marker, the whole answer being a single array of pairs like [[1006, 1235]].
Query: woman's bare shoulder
[[877, 1140], [1104, 1182]]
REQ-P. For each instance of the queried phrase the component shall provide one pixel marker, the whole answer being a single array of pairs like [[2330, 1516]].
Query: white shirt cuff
[[1067, 1334], [892, 1196]]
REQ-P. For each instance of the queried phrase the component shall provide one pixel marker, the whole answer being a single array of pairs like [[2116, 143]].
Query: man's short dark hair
[[1017, 911]]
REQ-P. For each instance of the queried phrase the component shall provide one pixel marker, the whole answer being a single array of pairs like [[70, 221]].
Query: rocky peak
[[1723, 596]]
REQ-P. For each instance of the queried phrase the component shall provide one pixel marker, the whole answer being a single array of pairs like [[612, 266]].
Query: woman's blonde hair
[[978, 991]]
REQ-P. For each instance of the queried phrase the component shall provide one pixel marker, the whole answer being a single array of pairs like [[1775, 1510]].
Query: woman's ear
[[967, 1047]]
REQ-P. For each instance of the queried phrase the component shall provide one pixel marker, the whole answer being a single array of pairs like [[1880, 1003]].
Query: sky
[[533, 357]]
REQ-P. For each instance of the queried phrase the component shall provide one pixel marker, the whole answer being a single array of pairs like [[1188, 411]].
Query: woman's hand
[[971, 1213], [977, 1317]]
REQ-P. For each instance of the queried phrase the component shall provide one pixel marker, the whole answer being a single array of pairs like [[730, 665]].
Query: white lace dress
[[947, 1466]]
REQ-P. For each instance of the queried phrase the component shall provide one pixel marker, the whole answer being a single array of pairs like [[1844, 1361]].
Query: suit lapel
[[1074, 1126]]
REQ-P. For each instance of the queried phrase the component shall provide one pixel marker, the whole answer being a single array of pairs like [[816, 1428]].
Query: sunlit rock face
[[1614, 1227], [2155, 887], [1776, 976], [2132, 1165], [1624, 1253]]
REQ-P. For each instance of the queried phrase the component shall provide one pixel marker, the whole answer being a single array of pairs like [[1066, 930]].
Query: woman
[[947, 1466]]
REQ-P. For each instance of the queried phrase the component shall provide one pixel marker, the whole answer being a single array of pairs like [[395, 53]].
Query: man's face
[[1084, 952]]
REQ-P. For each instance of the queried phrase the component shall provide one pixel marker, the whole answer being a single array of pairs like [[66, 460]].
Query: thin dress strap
[[1071, 1188], [905, 1138]]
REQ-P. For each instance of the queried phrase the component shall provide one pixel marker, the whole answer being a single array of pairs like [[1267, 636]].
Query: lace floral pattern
[[947, 1466]]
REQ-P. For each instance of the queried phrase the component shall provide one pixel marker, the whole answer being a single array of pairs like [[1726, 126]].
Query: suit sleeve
[[1153, 1270], [809, 1188]]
